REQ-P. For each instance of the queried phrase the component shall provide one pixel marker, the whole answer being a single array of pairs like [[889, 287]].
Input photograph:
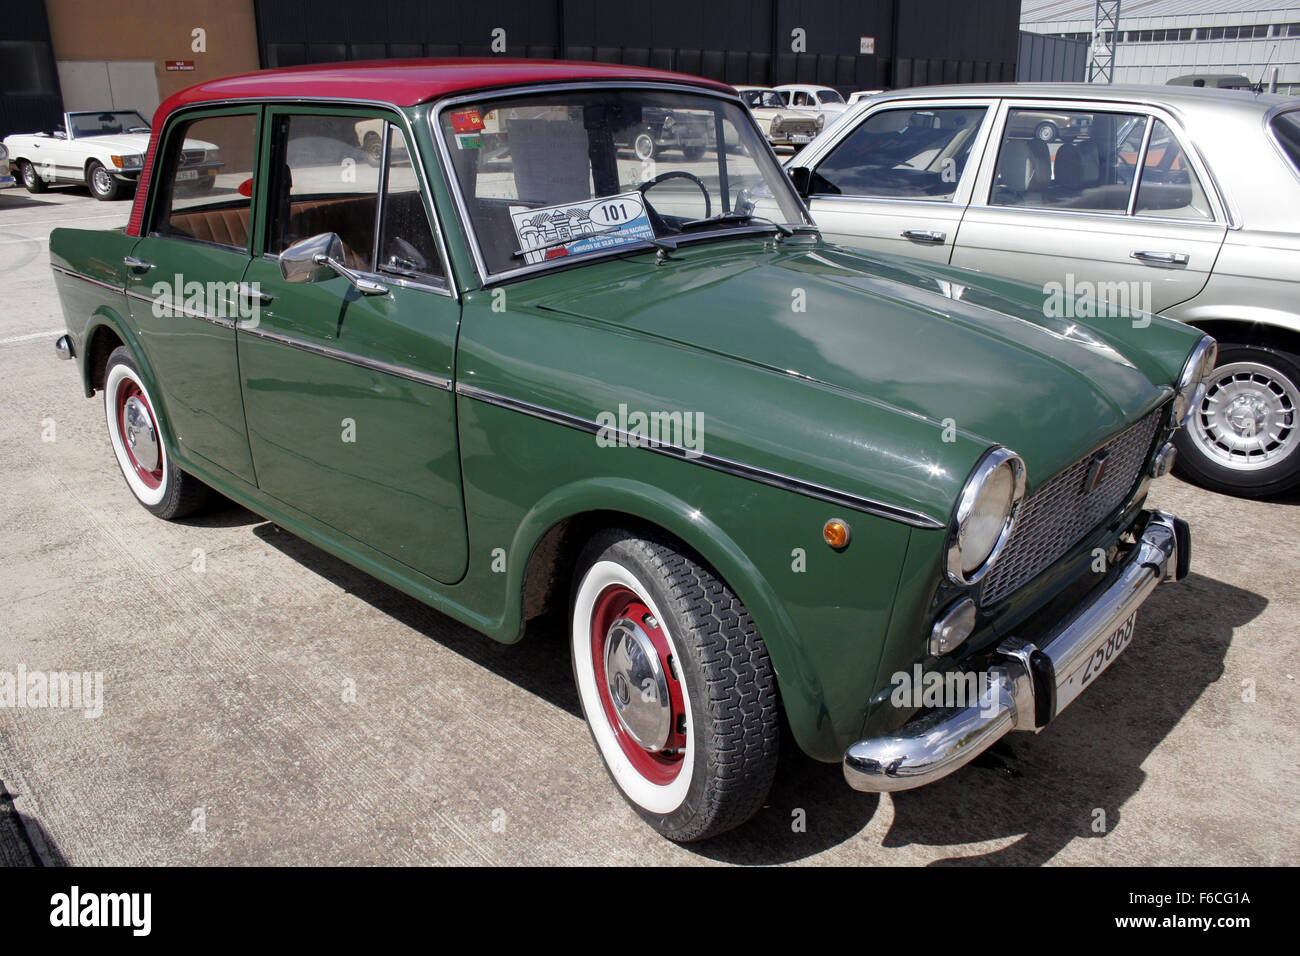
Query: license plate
[[184, 174], [1103, 656], [798, 138]]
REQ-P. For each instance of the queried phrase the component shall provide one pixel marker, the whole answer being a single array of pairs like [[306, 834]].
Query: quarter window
[[1169, 187], [406, 246], [902, 154], [207, 178]]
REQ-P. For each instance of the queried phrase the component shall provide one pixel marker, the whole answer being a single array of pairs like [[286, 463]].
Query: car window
[[829, 96], [109, 123], [902, 154], [1169, 187], [406, 242], [1078, 160], [1286, 127], [205, 180], [325, 179]]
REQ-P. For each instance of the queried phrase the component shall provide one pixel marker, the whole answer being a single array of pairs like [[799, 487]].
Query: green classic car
[[762, 479]]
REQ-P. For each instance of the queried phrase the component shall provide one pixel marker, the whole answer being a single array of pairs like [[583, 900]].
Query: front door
[[348, 395], [183, 283], [898, 181]]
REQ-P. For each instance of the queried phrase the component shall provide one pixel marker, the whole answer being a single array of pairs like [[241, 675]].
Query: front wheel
[[676, 685], [134, 432], [1244, 438], [103, 186], [644, 147]]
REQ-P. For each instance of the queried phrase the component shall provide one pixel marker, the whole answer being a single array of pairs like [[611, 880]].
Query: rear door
[[1117, 210], [183, 282], [898, 179], [348, 396]]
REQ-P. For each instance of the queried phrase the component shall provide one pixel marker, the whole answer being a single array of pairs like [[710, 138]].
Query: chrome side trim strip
[[86, 278], [915, 519], [351, 358], [219, 320]]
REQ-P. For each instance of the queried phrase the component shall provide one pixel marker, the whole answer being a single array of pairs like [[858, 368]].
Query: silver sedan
[[1178, 201]]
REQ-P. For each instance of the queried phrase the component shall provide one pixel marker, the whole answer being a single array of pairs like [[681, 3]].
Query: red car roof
[[399, 82], [407, 82]]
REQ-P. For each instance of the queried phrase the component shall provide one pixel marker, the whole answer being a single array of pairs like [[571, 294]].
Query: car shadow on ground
[[14, 198], [23, 841], [1034, 793]]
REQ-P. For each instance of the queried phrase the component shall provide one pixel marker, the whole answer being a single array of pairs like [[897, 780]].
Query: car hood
[[120, 143], [961, 349]]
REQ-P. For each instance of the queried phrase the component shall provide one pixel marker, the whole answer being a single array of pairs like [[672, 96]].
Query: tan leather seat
[[229, 227]]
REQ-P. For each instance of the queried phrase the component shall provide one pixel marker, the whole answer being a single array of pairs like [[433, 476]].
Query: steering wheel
[[678, 174]]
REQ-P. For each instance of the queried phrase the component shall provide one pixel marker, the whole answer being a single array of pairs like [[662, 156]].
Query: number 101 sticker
[[551, 232]]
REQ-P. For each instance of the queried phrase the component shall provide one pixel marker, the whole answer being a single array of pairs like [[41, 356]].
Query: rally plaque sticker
[[551, 232]]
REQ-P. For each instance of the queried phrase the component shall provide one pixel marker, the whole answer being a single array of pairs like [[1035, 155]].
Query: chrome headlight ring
[[1193, 380], [986, 468]]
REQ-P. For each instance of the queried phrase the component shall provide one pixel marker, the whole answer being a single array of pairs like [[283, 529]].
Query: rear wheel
[[32, 181], [676, 685], [1244, 438], [134, 432], [693, 153]]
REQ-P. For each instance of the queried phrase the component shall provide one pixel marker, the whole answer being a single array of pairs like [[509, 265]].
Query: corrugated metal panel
[[1050, 59]]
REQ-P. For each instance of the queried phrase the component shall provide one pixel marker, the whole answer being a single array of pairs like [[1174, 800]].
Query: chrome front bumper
[[1027, 686]]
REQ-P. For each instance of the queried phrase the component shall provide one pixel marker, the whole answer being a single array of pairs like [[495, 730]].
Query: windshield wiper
[[726, 217]]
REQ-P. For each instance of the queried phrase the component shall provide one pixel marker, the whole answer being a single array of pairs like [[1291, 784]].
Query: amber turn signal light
[[836, 533]]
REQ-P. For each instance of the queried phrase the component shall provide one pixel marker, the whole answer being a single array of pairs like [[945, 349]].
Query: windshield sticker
[[466, 121], [469, 140], [551, 232]]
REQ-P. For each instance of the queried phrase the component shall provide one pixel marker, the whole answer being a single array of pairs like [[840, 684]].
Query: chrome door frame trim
[[845, 499], [452, 291]]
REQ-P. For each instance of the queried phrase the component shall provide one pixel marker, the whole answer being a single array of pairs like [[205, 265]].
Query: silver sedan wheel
[[1247, 420]]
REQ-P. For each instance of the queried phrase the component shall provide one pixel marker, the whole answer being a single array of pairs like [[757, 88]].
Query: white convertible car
[[105, 150]]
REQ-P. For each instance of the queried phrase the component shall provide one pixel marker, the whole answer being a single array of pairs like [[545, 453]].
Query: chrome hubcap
[[1247, 419], [638, 685], [102, 182], [140, 435]]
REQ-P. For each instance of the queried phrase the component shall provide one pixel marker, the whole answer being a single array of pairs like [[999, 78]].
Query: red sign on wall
[[174, 65]]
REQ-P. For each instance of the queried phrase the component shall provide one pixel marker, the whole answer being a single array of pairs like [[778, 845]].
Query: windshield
[[757, 99], [546, 176], [109, 123]]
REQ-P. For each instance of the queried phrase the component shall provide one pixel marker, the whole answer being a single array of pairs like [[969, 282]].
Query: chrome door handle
[[246, 291], [137, 265], [922, 235], [1163, 258]]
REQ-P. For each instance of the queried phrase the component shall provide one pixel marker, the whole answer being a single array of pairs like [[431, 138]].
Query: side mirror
[[319, 258], [801, 177]]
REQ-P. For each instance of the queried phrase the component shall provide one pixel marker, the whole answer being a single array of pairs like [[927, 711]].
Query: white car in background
[[821, 99], [859, 95], [104, 149], [6, 179], [782, 125]]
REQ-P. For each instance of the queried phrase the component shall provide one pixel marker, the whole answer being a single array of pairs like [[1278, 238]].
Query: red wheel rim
[[126, 391], [660, 767]]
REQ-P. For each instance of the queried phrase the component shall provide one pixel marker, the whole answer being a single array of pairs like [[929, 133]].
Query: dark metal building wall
[[29, 82], [1051, 59], [737, 41]]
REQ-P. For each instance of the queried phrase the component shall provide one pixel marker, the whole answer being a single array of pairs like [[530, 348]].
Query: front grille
[[191, 157], [1063, 512]]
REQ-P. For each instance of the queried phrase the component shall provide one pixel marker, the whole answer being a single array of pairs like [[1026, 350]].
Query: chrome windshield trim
[[810, 489], [351, 358], [452, 180]]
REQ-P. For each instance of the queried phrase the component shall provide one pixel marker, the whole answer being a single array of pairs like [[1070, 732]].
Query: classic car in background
[[6, 178], [819, 99], [858, 95], [1165, 199], [781, 124], [687, 130], [574, 388], [103, 149]]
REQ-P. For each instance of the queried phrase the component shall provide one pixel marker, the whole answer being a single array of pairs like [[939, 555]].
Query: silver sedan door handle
[[1162, 258], [922, 235]]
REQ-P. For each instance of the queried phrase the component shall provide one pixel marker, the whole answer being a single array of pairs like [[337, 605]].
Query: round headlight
[[985, 515], [776, 122], [1193, 380], [4, 153], [821, 120]]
